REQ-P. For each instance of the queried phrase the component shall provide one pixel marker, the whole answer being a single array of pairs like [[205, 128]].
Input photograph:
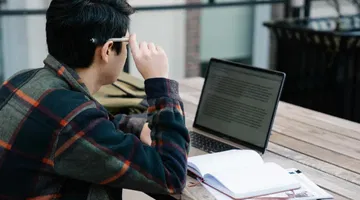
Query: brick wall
[[192, 55]]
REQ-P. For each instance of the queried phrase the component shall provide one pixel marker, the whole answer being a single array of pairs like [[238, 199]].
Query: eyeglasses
[[123, 39]]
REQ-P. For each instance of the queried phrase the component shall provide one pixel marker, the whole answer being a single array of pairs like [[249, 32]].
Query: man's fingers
[[134, 44], [143, 46], [144, 49], [152, 47], [160, 49]]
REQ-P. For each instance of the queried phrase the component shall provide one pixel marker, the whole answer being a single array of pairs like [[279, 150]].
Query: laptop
[[237, 107]]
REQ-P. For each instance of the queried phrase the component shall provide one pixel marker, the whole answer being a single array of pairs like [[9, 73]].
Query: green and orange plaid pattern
[[57, 142]]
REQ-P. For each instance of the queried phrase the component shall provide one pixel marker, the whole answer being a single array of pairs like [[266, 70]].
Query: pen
[[123, 39]]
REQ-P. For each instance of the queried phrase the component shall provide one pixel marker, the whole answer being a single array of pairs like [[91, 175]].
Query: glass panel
[[23, 39], [226, 33], [164, 28], [23, 42]]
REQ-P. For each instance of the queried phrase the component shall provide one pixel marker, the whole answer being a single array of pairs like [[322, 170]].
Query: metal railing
[[210, 4]]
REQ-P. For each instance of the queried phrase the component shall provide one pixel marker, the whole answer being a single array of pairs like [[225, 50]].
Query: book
[[241, 174]]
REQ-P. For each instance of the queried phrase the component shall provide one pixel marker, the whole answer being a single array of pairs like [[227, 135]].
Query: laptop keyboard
[[207, 144]]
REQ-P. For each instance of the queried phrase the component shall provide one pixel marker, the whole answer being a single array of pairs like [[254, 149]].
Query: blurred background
[[190, 35], [191, 32]]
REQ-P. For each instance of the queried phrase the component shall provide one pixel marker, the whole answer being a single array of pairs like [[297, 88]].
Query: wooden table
[[325, 148]]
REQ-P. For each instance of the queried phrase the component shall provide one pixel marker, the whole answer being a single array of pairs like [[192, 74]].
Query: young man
[[57, 142]]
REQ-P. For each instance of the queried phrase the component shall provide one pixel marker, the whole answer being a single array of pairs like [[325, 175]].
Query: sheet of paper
[[309, 190], [260, 180]]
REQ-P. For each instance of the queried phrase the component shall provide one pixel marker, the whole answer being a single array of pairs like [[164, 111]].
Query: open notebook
[[241, 174]]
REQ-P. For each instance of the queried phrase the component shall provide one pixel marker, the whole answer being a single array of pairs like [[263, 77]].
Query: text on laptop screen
[[239, 102]]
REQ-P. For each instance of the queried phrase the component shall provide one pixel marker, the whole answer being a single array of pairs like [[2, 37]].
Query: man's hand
[[145, 136], [150, 60]]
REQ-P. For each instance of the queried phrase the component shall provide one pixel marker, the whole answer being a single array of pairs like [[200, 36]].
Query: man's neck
[[89, 78]]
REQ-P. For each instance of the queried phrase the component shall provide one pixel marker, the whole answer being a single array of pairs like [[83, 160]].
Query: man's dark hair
[[71, 24]]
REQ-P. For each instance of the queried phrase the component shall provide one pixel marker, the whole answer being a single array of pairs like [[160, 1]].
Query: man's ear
[[106, 50]]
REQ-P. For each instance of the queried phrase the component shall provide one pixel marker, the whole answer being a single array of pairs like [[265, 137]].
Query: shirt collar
[[68, 74]]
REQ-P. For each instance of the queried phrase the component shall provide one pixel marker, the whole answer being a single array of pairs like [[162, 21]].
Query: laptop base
[[208, 144]]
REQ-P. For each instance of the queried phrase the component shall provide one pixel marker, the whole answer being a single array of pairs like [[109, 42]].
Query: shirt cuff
[[161, 87]]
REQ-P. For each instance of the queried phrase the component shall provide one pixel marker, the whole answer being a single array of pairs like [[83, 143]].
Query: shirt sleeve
[[130, 123], [91, 148]]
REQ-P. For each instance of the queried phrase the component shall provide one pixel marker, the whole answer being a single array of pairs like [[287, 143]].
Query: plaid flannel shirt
[[57, 142]]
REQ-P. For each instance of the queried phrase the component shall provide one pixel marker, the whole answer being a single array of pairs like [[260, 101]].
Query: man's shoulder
[[35, 81], [37, 87], [41, 96]]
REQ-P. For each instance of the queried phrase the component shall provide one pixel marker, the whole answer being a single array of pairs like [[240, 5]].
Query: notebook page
[[221, 161], [255, 181]]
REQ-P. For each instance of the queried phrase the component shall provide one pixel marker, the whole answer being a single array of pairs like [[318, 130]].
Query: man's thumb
[[133, 44]]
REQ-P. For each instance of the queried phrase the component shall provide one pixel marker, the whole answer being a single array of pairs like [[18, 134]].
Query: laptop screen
[[239, 102]]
